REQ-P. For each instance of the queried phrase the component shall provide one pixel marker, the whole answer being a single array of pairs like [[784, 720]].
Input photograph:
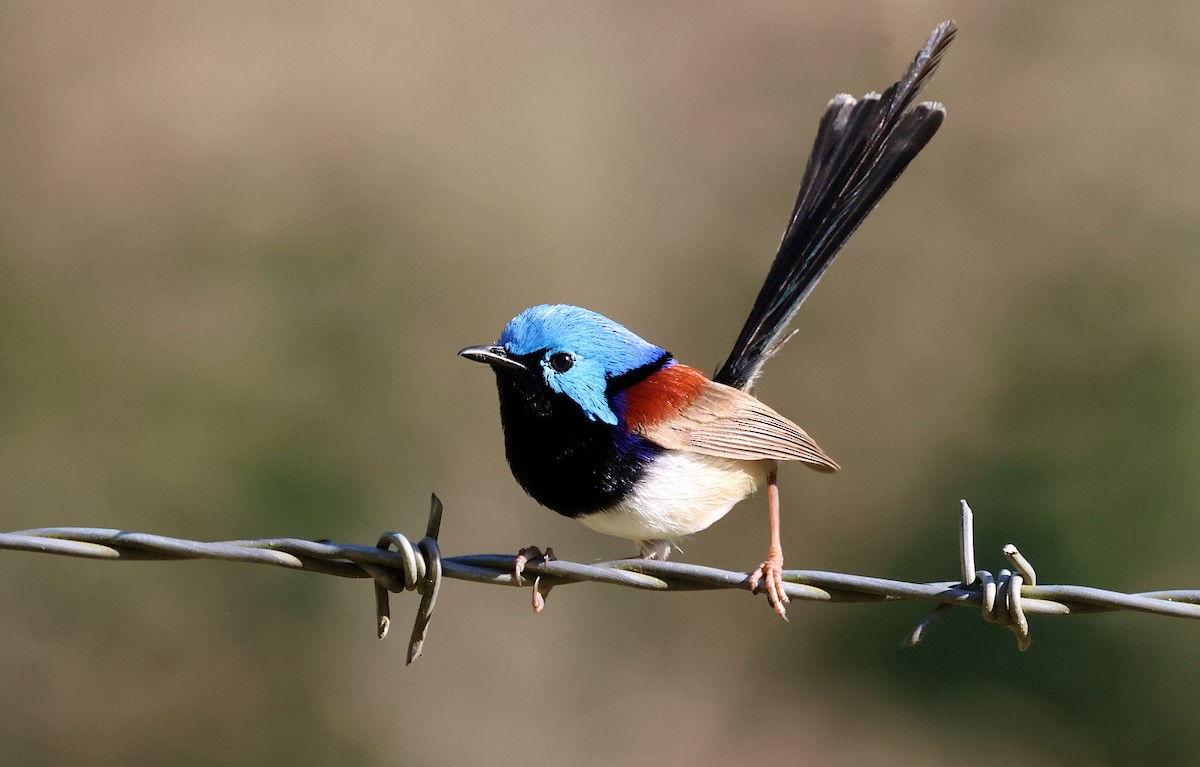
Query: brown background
[[240, 244]]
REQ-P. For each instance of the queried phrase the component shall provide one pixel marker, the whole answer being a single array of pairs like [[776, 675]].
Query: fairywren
[[607, 428]]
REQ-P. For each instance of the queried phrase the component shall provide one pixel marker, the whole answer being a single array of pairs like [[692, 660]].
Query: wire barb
[[395, 565], [1000, 598], [421, 573]]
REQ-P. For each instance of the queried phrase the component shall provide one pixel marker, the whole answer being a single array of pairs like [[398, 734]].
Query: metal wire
[[395, 565]]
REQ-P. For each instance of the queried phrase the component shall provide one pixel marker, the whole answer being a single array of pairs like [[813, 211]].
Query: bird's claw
[[540, 590], [527, 555], [770, 572]]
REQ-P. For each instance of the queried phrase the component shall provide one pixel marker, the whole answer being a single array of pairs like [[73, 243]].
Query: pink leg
[[771, 570]]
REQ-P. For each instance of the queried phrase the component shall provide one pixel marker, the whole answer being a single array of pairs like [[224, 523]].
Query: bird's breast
[[679, 493]]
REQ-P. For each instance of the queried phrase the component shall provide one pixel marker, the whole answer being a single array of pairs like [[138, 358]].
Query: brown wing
[[729, 423]]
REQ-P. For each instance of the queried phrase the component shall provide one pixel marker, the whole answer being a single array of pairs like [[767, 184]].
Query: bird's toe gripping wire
[[541, 589], [770, 575]]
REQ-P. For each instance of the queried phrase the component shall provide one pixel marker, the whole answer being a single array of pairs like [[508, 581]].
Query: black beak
[[496, 356]]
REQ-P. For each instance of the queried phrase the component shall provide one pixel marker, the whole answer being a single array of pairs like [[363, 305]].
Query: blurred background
[[240, 244]]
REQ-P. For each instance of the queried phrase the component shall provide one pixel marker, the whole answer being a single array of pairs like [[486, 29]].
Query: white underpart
[[681, 493]]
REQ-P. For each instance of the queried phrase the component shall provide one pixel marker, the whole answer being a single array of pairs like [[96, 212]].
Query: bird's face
[[569, 351]]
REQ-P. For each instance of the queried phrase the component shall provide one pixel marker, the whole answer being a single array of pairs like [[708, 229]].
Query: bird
[[605, 427]]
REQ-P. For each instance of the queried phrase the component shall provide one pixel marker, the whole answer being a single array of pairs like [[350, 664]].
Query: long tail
[[862, 147]]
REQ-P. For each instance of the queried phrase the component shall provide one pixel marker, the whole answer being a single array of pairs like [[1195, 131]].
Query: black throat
[[563, 459]]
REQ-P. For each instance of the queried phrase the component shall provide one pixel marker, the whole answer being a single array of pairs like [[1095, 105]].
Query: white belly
[[681, 493]]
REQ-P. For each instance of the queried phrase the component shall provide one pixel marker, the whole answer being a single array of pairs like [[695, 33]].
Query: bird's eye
[[561, 362]]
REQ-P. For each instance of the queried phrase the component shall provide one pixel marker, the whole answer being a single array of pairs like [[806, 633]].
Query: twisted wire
[[396, 565]]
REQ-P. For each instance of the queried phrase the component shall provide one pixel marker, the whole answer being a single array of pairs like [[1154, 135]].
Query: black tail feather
[[862, 147]]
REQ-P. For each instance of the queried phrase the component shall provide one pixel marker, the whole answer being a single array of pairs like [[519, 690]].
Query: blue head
[[572, 351]]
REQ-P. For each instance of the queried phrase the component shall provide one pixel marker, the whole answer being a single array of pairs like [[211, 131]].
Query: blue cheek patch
[[585, 383]]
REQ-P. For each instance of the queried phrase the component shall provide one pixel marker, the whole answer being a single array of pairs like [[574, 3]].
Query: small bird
[[605, 427]]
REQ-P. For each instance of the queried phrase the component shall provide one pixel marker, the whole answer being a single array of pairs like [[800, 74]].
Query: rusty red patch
[[661, 395]]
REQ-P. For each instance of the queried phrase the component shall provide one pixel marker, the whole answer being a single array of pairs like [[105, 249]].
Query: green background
[[240, 244]]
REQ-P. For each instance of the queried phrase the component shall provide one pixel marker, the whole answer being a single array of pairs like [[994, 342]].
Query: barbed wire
[[396, 565]]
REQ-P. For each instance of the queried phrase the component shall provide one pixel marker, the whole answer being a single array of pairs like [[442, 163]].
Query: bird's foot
[[527, 555], [540, 590], [659, 550], [770, 573]]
